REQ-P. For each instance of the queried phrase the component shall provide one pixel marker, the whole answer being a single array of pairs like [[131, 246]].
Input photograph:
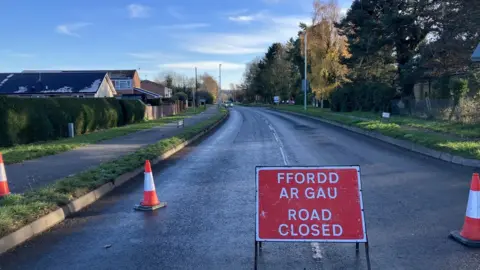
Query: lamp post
[[305, 76], [219, 83]]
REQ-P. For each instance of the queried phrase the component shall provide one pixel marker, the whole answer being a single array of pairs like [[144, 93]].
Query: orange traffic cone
[[3, 179], [150, 200], [470, 234]]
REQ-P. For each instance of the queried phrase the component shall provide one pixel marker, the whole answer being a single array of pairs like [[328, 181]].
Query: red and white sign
[[317, 204]]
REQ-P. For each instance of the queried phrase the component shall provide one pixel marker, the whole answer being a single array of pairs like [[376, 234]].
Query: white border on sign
[[269, 168]]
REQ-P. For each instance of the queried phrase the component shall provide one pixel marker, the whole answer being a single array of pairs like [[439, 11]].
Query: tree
[[209, 84], [454, 37], [252, 80], [326, 48], [458, 88], [407, 23], [371, 52]]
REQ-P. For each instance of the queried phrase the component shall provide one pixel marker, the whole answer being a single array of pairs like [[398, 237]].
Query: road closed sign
[[318, 204]]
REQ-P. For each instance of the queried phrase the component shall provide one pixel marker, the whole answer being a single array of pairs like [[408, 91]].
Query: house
[[157, 88], [57, 84], [476, 54], [124, 81]]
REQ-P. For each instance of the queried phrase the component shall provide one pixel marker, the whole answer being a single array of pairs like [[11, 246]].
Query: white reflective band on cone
[[473, 206], [148, 184], [3, 174]]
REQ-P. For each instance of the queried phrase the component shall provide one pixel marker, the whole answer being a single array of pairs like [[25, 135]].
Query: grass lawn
[[17, 210], [253, 105], [456, 129], [397, 127], [19, 153]]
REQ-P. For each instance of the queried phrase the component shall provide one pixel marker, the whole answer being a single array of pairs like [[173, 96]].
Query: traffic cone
[[470, 234], [150, 200], [3, 179]]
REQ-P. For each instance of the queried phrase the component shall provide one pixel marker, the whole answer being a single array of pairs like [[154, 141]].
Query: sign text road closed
[[320, 204]]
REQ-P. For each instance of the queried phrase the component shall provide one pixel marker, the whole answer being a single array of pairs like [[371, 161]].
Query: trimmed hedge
[[363, 97], [28, 120]]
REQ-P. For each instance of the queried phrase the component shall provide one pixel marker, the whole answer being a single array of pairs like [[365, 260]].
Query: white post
[[71, 130]]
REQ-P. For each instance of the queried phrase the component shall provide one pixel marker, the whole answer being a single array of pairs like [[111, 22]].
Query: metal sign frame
[[258, 240]]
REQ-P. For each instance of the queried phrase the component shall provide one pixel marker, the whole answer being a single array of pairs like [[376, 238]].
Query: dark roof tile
[[50, 82]]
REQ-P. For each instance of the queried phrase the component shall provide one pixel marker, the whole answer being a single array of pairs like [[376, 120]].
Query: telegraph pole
[[194, 91]]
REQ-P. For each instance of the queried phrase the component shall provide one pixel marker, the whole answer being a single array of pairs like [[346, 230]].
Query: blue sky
[[151, 35]]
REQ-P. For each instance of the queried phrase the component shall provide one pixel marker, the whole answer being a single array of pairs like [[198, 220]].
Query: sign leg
[[260, 245], [367, 254], [256, 256], [357, 248]]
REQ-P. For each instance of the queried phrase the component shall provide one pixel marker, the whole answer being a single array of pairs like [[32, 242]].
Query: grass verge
[[18, 210], [460, 130], [469, 148], [253, 105], [24, 152]]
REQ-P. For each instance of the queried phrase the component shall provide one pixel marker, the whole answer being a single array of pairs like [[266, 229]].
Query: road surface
[[411, 204]]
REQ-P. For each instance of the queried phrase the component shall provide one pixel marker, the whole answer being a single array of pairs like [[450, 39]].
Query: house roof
[[51, 82], [146, 92], [154, 87], [476, 54]]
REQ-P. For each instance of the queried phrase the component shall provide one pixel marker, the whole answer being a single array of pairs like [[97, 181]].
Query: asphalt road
[[39, 172], [411, 204]]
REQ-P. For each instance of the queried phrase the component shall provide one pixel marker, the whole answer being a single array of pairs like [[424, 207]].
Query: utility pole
[[194, 91], [219, 82], [305, 76]]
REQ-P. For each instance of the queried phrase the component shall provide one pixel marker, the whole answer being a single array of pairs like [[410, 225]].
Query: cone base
[[3, 195], [462, 240], [140, 207]]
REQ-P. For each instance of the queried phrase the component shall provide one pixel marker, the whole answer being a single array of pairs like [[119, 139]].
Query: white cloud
[[175, 12], [241, 18], [245, 18], [138, 11], [343, 12], [204, 65], [270, 29], [236, 12], [70, 29], [183, 26]]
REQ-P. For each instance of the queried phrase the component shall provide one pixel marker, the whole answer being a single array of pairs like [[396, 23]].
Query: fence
[[467, 111], [156, 112]]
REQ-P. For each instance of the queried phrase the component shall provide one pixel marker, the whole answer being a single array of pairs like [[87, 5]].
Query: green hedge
[[363, 97], [28, 120]]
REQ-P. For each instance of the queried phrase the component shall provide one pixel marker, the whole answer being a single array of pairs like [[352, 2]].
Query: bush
[[155, 102], [133, 111], [363, 97], [28, 120], [204, 95], [180, 96], [299, 98]]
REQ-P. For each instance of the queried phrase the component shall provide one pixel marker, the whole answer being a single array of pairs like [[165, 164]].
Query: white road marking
[[316, 249], [284, 156]]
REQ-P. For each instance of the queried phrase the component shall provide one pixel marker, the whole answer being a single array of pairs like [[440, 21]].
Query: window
[[123, 84]]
